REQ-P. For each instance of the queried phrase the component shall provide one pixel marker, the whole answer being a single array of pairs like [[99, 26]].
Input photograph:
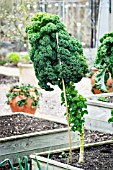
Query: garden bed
[[97, 156], [21, 123], [25, 134]]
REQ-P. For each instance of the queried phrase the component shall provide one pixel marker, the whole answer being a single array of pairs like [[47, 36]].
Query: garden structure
[[80, 18], [99, 108], [27, 134], [95, 157], [26, 71]]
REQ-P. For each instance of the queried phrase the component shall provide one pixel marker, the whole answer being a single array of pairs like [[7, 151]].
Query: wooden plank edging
[[74, 148], [59, 165]]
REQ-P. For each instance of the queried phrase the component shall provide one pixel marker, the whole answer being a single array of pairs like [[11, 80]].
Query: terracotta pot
[[109, 82], [24, 108]]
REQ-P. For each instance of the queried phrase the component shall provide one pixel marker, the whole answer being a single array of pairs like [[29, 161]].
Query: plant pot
[[55, 165], [24, 108], [109, 82], [27, 74], [98, 113]]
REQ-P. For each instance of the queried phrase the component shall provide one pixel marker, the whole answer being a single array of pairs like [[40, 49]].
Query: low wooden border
[[55, 165]]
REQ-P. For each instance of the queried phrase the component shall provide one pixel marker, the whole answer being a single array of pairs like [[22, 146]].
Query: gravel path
[[49, 102]]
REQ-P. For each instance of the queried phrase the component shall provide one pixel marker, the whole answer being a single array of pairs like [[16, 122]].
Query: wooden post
[[64, 89]]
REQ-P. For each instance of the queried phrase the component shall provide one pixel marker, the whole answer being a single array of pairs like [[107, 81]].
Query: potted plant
[[102, 82], [102, 79], [58, 60], [23, 98]]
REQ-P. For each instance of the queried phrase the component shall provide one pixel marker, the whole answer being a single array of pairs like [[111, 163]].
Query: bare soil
[[18, 124]]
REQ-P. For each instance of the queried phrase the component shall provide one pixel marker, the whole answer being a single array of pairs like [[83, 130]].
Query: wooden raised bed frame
[[98, 113], [55, 165], [27, 144]]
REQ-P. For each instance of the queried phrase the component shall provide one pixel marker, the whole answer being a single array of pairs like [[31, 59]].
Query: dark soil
[[95, 158], [4, 79], [17, 124]]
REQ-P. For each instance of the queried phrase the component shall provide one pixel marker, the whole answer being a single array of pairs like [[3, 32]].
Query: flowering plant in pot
[[102, 79], [59, 60], [23, 98]]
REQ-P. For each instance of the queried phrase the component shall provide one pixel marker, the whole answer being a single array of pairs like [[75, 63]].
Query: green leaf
[[9, 162], [112, 112], [38, 163], [111, 118], [100, 80], [25, 161], [20, 164]]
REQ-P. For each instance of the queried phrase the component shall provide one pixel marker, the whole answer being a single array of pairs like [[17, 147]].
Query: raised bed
[[98, 113], [36, 142], [104, 152]]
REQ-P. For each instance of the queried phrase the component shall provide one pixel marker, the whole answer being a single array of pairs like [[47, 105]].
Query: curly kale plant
[[46, 56], [104, 61], [76, 107], [58, 60]]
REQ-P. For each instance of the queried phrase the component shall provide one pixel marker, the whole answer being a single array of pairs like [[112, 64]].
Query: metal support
[[109, 6], [91, 23]]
